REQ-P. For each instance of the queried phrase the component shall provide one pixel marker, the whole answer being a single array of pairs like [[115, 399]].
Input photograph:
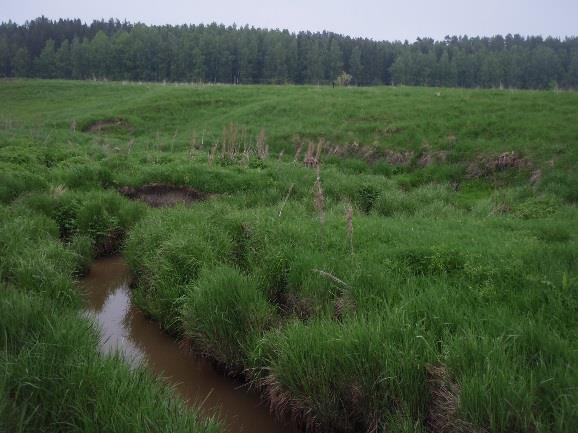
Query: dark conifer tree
[[122, 51]]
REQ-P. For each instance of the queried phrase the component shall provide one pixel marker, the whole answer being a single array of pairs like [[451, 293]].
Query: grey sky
[[375, 19]]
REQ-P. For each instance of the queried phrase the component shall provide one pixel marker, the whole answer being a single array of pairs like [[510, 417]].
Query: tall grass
[[456, 292], [225, 313], [447, 293], [53, 378]]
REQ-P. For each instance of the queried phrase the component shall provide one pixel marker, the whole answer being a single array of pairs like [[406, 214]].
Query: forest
[[115, 50]]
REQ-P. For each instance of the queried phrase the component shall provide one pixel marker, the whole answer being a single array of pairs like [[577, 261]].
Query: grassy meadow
[[386, 259]]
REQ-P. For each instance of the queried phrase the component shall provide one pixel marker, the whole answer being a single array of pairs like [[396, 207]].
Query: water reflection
[[125, 329]]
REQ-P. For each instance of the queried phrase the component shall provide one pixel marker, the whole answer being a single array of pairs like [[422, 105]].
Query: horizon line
[[293, 32]]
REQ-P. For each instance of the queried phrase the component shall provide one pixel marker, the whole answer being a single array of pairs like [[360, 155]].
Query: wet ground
[[163, 195], [125, 328]]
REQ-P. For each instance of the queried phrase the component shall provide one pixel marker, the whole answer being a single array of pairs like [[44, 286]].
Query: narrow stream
[[125, 328]]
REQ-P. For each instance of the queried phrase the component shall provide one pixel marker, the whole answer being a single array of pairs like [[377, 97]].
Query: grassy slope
[[480, 282], [464, 124], [540, 124]]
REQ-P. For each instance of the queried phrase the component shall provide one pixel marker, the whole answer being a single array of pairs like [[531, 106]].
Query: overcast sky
[[388, 20]]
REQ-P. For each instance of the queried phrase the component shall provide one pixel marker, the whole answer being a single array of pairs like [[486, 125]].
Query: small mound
[[162, 195], [115, 124]]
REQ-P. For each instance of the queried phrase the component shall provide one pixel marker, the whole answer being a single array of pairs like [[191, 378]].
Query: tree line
[[114, 50]]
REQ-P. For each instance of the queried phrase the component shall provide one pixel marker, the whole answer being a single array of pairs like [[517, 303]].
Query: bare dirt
[[486, 166], [163, 195], [442, 415], [371, 154], [108, 124]]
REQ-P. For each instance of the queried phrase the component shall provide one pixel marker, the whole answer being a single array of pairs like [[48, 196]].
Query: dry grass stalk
[[500, 208], [294, 305], [335, 150], [243, 139], [262, 147], [224, 142], [285, 406], [425, 160], [298, 148], [186, 344], [159, 144], [349, 219], [319, 198], [106, 147], [484, 166], [536, 176], [193, 145], [320, 144], [299, 410], [230, 142], [285, 200], [212, 153], [442, 415], [366, 152], [398, 158], [309, 159], [245, 158], [173, 139], [344, 305], [58, 190], [332, 278]]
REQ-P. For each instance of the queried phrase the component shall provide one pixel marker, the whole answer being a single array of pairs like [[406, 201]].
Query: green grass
[[225, 312], [484, 296], [455, 263], [53, 379]]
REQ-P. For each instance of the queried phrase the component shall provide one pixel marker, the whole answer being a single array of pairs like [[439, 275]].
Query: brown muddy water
[[124, 328]]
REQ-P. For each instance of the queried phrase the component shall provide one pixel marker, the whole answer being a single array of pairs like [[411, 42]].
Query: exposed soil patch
[[110, 244], [285, 406], [536, 176], [371, 154], [116, 124], [442, 414], [429, 158], [344, 305], [367, 153], [398, 158], [299, 410], [162, 195], [487, 166], [293, 305]]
